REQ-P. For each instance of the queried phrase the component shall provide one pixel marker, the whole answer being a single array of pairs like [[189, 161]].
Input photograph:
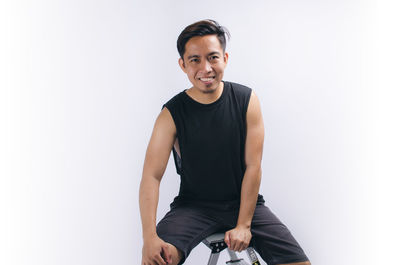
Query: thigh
[[273, 240], [185, 228]]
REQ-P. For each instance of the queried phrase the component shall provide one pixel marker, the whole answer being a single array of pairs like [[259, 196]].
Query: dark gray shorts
[[185, 227]]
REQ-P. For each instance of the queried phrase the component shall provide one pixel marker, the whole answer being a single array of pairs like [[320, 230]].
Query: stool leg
[[213, 259], [234, 259], [232, 254], [252, 256]]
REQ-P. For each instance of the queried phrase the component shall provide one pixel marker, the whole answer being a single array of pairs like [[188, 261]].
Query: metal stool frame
[[217, 244]]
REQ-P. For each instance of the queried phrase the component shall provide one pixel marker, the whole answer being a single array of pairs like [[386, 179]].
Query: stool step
[[215, 242], [218, 237], [237, 262]]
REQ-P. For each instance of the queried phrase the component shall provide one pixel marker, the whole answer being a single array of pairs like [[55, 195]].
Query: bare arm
[[157, 155], [239, 238], [253, 156]]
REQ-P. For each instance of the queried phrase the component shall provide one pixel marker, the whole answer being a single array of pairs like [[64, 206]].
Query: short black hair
[[202, 28]]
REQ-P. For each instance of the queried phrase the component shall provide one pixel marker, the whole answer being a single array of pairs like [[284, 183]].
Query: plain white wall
[[85, 80]]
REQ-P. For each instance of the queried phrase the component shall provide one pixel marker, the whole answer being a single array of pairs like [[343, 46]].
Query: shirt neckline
[[190, 99]]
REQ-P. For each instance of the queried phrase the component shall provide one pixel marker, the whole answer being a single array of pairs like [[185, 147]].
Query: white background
[[82, 83]]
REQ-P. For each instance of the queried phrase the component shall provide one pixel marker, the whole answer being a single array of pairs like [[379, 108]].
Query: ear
[[226, 56], [182, 64]]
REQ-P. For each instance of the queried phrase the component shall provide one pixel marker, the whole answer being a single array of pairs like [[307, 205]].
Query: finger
[[238, 246], [233, 245], [247, 243], [227, 239], [242, 246], [159, 260], [167, 253]]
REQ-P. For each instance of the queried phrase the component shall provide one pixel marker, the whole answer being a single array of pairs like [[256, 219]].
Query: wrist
[[243, 225], [147, 236]]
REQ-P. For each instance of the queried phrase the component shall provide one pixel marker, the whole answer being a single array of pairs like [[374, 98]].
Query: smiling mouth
[[207, 79]]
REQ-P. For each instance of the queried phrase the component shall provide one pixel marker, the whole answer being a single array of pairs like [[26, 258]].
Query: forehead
[[203, 45]]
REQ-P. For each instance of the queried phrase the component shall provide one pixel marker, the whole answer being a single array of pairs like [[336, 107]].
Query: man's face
[[204, 62]]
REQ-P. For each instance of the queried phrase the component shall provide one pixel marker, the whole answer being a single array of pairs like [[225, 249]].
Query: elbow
[[254, 167], [255, 171], [259, 173]]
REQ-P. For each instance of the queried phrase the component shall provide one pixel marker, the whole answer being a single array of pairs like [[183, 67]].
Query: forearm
[[148, 201], [249, 193]]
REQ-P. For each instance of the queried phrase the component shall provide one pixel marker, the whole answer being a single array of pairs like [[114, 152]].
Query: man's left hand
[[238, 239]]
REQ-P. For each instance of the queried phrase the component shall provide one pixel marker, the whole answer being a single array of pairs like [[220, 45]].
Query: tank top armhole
[[170, 113], [177, 158], [246, 104]]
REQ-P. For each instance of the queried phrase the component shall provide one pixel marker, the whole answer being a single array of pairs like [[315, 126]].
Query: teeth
[[207, 79]]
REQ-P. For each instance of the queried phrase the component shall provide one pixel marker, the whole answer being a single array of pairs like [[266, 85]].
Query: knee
[[176, 254]]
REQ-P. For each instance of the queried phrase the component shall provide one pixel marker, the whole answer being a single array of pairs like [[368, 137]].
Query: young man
[[215, 131]]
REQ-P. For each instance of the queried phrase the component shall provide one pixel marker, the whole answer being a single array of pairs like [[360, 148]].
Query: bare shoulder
[[255, 132], [160, 145], [165, 123], [254, 109]]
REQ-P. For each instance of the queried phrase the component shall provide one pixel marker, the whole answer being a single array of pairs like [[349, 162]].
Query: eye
[[194, 60], [214, 57]]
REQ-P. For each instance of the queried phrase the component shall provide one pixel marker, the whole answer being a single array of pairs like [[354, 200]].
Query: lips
[[207, 79]]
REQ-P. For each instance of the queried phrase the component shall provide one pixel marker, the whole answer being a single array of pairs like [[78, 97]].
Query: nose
[[206, 66]]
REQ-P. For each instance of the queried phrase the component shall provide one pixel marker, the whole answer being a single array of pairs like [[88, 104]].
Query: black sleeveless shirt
[[211, 141]]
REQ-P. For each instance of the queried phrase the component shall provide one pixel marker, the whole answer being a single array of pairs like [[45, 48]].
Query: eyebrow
[[197, 56]]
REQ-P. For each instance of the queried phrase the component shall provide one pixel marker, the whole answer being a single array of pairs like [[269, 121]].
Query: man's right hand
[[155, 252]]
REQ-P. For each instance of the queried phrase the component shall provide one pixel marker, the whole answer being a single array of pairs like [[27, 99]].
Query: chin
[[209, 89]]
